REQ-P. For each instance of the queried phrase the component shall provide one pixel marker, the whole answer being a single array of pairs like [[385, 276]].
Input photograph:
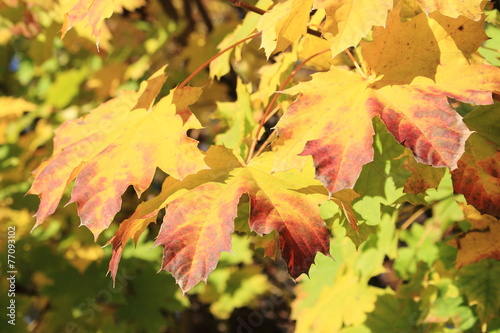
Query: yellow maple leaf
[[118, 144], [338, 105], [283, 202], [283, 24], [94, 12], [469, 8], [348, 21], [11, 108]]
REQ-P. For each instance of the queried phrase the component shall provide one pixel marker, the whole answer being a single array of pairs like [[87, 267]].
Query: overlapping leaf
[[481, 241], [408, 90], [468, 8], [200, 211], [118, 144], [283, 24], [220, 66], [239, 119], [94, 12], [422, 176], [477, 176], [482, 289], [348, 21]]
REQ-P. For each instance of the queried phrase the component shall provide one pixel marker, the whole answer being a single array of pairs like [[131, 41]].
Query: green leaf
[[393, 315], [239, 119], [485, 120], [481, 285], [380, 181]]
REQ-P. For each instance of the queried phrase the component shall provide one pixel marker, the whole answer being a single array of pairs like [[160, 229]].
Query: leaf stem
[[206, 63], [358, 68], [268, 141], [269, 112]]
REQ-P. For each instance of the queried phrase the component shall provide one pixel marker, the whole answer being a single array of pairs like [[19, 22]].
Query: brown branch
[[249, 7]]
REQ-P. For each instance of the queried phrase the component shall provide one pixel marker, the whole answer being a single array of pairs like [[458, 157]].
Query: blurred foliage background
[[397, 275]]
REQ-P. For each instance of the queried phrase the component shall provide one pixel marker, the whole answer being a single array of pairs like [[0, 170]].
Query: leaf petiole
[[270, 112]]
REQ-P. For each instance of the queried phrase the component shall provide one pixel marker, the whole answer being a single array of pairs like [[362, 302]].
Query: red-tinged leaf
[[115, 146], [478, 175], [481, 241], [338, 107], [129, 229], [201, 208], [432, 129], [288, 202], [329, 104], [412, 101], [270, 244], [220, 161], [194, 238]]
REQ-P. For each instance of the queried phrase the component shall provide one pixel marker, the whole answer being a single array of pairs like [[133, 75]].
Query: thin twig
[[268, 141], [269, 112], [206, 63], [247, 6], [413, 217]]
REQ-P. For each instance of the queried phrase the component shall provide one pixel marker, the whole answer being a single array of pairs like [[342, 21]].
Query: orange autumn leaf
[[118, 144], [194, 238], [477, 176], [408, 90], [481, 241]]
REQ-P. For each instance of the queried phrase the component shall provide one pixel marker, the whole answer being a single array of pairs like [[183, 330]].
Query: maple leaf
[[11, 108], [94, 12], [239, 118], [348, 21], [468, 8], [479, 283], [422, 176], [477, 176], [194, 238], [478, 169], [411, 100], [118, 144], [283, 24], [481, 241]]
